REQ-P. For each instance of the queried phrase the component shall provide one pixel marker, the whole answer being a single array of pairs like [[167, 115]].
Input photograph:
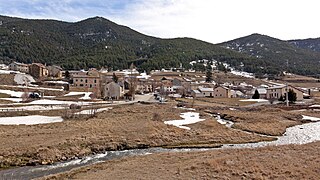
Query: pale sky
[[213, 21]]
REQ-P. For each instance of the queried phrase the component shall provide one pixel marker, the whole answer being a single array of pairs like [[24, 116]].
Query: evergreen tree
[[209, 74], [292, 96], [115, 78], [281, 98], [256, 95]]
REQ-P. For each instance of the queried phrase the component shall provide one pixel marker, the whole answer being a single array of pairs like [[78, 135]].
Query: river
[[300, 134]]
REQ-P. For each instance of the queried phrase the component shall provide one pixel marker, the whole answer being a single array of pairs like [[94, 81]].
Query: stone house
[[222, 92], [38, 70], [55, 71], [196, 94], [261, 90], [275, 92], [144, 86], [206, 92], [113, 91], [21, 67]]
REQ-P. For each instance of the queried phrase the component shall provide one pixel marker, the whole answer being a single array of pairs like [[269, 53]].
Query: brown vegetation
[[274, 162], [124, 127]]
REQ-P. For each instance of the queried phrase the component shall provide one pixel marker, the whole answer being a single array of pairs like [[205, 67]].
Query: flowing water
[[300, 134]]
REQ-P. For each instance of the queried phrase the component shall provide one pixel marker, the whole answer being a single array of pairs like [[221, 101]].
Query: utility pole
[[287, 96]]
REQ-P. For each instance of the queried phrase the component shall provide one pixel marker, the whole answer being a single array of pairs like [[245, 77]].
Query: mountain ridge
[[99, 42], [276, 51]]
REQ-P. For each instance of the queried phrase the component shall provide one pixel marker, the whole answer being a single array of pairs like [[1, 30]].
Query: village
[[123, 85], [55, 118]]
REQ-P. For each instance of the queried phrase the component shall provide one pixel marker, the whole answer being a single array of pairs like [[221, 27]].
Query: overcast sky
[[209, 20]]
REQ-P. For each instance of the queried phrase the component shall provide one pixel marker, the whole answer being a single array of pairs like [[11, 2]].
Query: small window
[[81, 85]]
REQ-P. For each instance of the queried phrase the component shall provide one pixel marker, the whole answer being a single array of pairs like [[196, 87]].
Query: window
[[86, 81], [81, 80], [95, 81], [81, 85]]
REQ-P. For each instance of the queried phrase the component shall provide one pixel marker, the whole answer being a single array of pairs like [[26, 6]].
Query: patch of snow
[[86, 96], [37, 88], [9, 72], [310, 118], [254, 100], [57, 82], [188, 118], [188, 109], [29, 120], [55, 102], [12, 99], [11, 93], [91, 111], [315, 106], [224, 122], [242, 74], [32, 108], [23, 79]]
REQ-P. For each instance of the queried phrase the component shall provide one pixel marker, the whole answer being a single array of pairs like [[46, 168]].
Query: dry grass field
[[124, 127], [274, 162]]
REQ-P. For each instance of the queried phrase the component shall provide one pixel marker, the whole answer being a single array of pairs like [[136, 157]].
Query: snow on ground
[[29, 120], [8, 71], [224, 122], [57, 82], [56, 102], [254, 100], [32, 108], [91, 111], [23, 79], [12, 99], [310, 118], [243, 74], [315, 106], [85, 97], [36, 88], [185, 108], [11, 93], [188, 118]]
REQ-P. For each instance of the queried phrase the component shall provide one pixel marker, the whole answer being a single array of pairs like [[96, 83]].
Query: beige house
[[222, 92], [276, 92], [206, 92], [38, 70], [196, 94], [113, 91], [21, 67], [144, 86], [55, 71]]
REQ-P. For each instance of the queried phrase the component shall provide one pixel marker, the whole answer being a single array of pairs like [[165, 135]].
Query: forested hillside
[[98, 42], [277, 54]]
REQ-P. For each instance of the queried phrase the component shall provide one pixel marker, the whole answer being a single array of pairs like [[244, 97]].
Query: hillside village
[[123, 85]]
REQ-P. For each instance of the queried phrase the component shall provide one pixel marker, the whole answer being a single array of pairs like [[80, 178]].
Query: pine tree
[[292, 96], [282, 98], [115, 78], [209, 74], [256, 95]]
